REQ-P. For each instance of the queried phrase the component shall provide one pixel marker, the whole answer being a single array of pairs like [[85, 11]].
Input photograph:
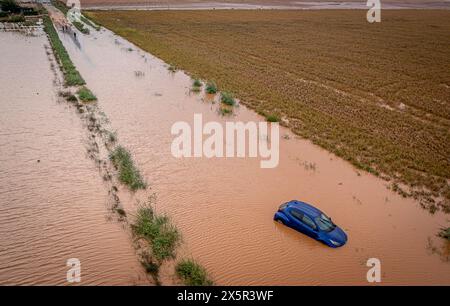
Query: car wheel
[[280, 221]]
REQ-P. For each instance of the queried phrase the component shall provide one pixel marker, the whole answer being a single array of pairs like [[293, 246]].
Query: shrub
[[81, 27], [160, 233], [211, 88], [71, 98], [192, 273], [272, 118], [225, 111], [86, 95], [197, 83], [227, 98], [128, 173]]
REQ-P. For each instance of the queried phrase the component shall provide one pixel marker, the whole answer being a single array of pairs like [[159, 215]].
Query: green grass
[[60, 6], [86, 95], [227, 98], [211, 88], [192, 273], [272, 118], [71, 75], [224, 111], [160, 233], [79, 25], [128, 173], [197, 83]]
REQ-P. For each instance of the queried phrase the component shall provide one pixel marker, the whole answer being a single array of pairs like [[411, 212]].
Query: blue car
[[312, 222]]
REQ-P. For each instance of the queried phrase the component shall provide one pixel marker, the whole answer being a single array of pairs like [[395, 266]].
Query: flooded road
[[53, 205], [224, 206]]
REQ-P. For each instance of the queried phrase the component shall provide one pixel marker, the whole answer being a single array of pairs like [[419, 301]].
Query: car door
[[303, 223]]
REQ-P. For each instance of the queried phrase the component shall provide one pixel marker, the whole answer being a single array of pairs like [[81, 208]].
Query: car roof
[[305, 208]]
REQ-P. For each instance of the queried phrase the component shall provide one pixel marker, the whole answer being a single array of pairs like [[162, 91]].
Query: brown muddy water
[[53, 205], [224, 206]]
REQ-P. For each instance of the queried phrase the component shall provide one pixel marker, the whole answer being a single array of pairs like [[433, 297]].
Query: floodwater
[[224, 206], [53, 205]]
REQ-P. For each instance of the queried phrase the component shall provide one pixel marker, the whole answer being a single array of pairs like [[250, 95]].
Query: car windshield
[[325, 223]]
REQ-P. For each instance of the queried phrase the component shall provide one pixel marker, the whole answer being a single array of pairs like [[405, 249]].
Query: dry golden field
[[378, 95]]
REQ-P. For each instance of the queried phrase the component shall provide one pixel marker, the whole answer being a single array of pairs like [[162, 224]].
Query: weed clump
[[86, 95], [272, 118], [211, 88], [172, 68], [162, 236], [79, 25], [227, 98], [224, 111], [192, 273], [445, 233], [128, 173]]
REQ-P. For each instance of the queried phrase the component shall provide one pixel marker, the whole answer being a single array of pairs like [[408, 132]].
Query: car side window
[[308, 221], [297, 215]]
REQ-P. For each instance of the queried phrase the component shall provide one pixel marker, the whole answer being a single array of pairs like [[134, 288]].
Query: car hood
[[337, 235]]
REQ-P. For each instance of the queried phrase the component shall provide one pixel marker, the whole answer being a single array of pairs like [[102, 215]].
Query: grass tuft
[[128, 173], [272, 118], [86, 95], [192, 273], [158, 231], [79, 25], [224, 111], [227, 98], [211, 88]]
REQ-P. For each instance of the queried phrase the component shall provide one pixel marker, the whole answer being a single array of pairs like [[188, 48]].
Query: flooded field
[[224, 207], [53, 205]]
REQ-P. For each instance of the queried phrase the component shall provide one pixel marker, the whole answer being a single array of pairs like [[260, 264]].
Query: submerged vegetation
[[71, 75], [445, 233], [196, 85], [224, 110], [86, 95], [211, 88], [192, 274], [79, 25], [386, 114], [227, 98], [162, 236], [272, 118], [128, 173]]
